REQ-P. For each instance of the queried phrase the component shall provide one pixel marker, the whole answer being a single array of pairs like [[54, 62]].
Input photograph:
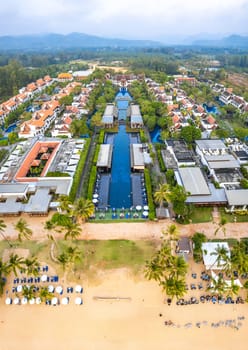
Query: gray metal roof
[[39, 202], [11, 206], [216, 196], [109, 110], [135, 110], [210, 144], [137, 157], [105, 156], [62, 185], [137, 119], [107, 119], [13, 189], [194, 181], [222, 161], [237, 197]]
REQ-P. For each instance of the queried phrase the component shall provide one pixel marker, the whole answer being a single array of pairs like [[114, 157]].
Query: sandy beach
[[128, 230], [121, 324], [133, 323]]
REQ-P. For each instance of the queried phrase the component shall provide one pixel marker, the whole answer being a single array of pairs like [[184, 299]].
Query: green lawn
[[231, 217], [107, 254], [201, 214]]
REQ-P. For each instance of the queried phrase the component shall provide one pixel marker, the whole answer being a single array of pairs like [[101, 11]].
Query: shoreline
[[138, 323]]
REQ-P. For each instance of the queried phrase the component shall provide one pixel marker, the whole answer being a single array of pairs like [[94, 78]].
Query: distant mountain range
[[73, 40], [53, 41], [232, 41]]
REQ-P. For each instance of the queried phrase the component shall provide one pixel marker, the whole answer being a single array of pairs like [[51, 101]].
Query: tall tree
[[2, 228], [162, 194], [83, 209], [24, 231], [16, 263]]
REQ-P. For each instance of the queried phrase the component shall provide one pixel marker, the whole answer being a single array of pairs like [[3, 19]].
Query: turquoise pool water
[[120, 185]]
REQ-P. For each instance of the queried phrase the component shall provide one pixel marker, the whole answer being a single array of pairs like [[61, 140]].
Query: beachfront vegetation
[[24, 232], [167, 269]]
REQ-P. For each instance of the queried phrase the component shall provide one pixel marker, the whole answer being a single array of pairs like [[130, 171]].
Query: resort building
[[25, 186], [109, 116], [136, 120], [105, 158]]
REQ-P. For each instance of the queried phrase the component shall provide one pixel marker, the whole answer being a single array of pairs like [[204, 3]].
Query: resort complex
[[123, 206]]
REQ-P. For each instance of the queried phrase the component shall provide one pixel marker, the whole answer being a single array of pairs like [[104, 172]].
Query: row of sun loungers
[[54, 301]]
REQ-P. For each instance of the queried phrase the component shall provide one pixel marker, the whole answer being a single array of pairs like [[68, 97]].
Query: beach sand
[[120, 324]]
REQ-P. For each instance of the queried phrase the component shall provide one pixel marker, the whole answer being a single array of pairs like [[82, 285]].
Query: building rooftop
[[135, 110], [210, 144], [105, 156], [137, 157], [237, 197], [209, 250], [194, 181]]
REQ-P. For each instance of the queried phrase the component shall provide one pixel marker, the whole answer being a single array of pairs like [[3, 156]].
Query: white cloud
[[132, 18]]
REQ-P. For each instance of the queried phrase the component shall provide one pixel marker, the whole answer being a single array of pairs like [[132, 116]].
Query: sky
[[132, 19]]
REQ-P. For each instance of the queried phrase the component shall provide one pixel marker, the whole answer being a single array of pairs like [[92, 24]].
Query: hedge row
[[97, 150], [160, 160], [143, 137], [79, 170], [101, 136], [152, 213], [92, 180]]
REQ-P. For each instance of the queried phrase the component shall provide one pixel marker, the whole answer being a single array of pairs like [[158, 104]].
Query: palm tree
[[222, 257], [73, 230], [179, 267], [218, 285], [174, 287], [239, 258], [153, 270], [221, 226], [2, 227], [15, 263], [24, 231], [83, 209], [162, 194], [32, 266], [65, 204], [172, 231], [233, 289], [28, 292], [45, 294], [4, 271]]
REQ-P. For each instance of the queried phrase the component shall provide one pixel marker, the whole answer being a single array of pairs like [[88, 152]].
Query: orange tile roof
[[210, 119]]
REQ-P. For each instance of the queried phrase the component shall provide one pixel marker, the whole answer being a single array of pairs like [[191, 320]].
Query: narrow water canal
[[120, 185]]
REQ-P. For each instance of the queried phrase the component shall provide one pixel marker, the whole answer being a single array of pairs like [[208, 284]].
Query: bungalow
[[226, 97], [209, 123]]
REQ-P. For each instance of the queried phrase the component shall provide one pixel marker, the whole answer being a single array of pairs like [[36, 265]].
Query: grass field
[[108, 254], [233, 217], [201, 214]]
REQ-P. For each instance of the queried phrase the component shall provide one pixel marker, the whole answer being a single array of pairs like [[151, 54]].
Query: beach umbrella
[[54, 301], [145, 213], [38, 300], [78, 301], [50, 288], [16, 301], [59, 290], [65, 301], [32, 301], [8, 301], [95, 195], [138, 207], [24, 301], [19, 288], [78, 289], [43, 278], [95, 200], [145, 207]]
